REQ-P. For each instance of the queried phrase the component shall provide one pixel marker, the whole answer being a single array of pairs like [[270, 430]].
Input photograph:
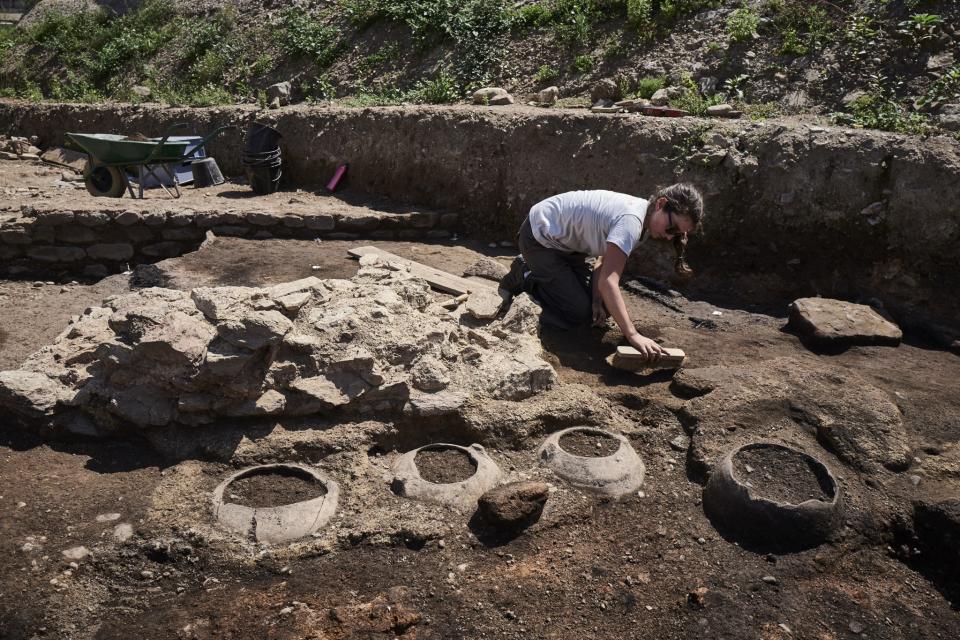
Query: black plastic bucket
[[206, 173], [261, 138]]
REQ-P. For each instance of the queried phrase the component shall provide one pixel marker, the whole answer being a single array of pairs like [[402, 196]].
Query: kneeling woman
[[562, 231]]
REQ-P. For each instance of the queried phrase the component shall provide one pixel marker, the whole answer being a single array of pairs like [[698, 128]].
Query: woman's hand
[[646, 347], [600, 314]]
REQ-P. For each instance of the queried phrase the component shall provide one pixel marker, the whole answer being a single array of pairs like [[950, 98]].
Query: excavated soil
[[648, 566], [589, 445], [780, 475], [273, 489], [443, 466]]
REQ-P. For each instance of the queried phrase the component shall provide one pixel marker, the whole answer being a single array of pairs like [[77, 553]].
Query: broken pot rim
[[330, 485], [727, 464], [594, 430], [435, 446]]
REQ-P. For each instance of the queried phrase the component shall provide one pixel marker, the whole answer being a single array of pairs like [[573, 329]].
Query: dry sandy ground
[[614, 569]]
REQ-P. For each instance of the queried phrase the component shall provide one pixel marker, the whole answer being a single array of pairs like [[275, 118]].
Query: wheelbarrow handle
[[212, 134], [163, 140]]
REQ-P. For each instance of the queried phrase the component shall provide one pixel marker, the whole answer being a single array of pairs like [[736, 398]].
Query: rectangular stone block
[[53, 218], [234, 231], [262, 219], [182, 233], [126, 218], [207, 219], [15, 236], [423, 220], [154, 218], [56, 254], [180, 218], [76, 234], [319, 222], [92, 218], [163, 250], [358, 223], [139, 234], [115, 251]]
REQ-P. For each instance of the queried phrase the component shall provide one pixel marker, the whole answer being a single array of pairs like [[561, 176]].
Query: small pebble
[[769, 579], [856, 627]]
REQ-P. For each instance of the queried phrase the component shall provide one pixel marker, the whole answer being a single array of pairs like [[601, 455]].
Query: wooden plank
[[440, 280]]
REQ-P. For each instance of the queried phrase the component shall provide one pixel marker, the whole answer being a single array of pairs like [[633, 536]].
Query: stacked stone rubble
[[375, 344]]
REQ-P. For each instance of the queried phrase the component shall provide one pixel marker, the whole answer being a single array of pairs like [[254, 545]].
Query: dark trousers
[[559, 281]]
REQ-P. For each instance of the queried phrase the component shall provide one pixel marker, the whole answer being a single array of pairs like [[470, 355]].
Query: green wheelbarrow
[[112, 155]]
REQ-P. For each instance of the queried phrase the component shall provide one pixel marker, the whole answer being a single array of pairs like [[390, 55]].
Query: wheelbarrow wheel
[[103, 182]]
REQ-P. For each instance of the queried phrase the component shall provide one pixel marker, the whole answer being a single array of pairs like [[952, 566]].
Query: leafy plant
[[545, 73], [734, 87], [690, 99], [742, 24], [649, 85], [862, 36], [581, 64], [921, 28], [806, 25], [878, 110], [439, 90], [945, 89], [573, 20], [303, 35]]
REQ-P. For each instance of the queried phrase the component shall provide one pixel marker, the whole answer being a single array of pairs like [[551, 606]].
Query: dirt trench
[[648, 565], [811, 210]]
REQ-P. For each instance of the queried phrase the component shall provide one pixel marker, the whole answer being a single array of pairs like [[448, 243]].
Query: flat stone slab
[[836, 322]]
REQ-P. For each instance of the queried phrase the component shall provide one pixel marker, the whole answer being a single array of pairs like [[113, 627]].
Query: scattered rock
[[140, 91], [492, 96], [279, 93], [840, 323], [487, 268], [76, 553], [122, 532], [719, 110], [605, 89], [513, 505], [663, 96], [548, 96], [108, 517]]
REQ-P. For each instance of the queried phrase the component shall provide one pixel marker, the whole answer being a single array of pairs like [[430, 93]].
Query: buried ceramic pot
[[462, 495], [613, 475], [282, 523], [743, 511]]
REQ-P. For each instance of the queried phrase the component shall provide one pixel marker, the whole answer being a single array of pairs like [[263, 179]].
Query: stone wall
[[93, 243]]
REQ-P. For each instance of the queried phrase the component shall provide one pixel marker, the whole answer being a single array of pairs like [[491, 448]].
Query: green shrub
[[877, 110], [921, 28], [582, 64], [945, 89], [303, 35], [742, 24], [440, 90], [529, 17], [573, 20], [805, 24], [545, 73], [649, 85]]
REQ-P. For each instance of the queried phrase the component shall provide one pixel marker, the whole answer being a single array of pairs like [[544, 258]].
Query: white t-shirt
[[585, 221]]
